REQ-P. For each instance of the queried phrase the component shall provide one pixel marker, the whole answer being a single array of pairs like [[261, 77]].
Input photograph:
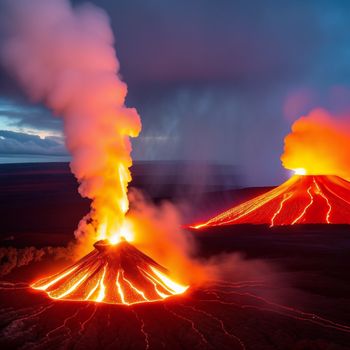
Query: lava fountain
[[317, 150], [64, 56]]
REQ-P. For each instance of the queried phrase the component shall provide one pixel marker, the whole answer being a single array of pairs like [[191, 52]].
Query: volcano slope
[[303, 199], [114, 274]]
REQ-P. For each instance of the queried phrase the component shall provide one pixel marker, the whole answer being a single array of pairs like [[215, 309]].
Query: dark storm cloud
[[206, 41], [21, 143], [223, 80], [21, 114], [168, 42]]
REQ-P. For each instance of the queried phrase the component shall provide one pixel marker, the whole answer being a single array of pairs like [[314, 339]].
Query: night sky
[[218, 81]]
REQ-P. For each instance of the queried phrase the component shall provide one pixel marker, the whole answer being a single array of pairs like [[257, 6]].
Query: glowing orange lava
[[303, 199], [115, 274]]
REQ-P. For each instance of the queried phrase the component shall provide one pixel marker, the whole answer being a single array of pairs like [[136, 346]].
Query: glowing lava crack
[[114, 274], [309, 199]]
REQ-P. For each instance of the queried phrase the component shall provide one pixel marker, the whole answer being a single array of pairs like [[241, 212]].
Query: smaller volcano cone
[[115, 274], [304, 199]]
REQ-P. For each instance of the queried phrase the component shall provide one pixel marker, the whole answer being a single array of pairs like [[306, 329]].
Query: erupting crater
[[303, 199], [114, 274]]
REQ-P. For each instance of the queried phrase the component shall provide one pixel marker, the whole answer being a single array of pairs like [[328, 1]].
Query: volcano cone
[[305, 199], [115, 274]]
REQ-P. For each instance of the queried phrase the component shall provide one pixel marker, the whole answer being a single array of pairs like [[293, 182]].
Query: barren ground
[[289, 288]]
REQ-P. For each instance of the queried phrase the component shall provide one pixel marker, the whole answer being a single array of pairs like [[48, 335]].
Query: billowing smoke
[[320, 144], [173, 247], [12, 258], [64, 57], [158, 233]]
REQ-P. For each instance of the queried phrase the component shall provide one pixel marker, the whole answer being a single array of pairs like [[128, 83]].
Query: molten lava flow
[[115, 274], [302, 199], [305, 208], [285, 198]]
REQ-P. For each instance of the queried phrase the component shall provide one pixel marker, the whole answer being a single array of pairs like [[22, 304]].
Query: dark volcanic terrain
[[282, 287]]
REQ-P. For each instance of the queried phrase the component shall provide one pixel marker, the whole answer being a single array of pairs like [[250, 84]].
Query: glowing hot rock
[[303, 199], [112, 273]]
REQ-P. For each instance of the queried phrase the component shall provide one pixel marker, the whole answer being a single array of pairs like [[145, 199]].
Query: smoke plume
[[165, 241], [320, 144], [158, 233], [64, 57]]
